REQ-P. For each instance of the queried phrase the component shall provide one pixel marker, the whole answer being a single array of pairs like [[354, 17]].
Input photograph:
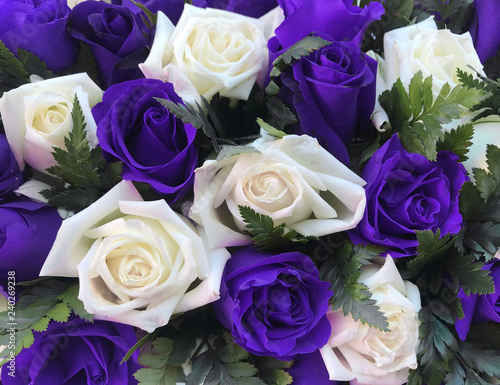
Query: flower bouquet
[[250, 192]]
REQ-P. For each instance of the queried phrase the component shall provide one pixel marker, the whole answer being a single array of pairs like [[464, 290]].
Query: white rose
[[370, 356], [37, 117], [136, 260], [485, 132], [293, 180], [422, 47], [210, 51]]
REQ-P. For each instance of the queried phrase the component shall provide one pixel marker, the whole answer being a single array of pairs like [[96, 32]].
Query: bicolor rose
[[368, 355], [422, 47], [155, 147], [274, 305], [37, 117], [39, 26], [27, 231], [10, 175], [137, 261], [210, 51], [77, 352], [116, 36], [293, 180], [406, 192]]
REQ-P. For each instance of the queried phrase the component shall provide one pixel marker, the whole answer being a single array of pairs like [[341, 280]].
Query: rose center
[[48, 119], [270, 190]]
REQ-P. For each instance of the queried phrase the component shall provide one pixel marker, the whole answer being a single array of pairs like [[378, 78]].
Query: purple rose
[[10, 175], [337, 18], [480, 308], [407, 192], [243, 7], [484, 29], [27, 231], [116, 37], [333, 94], [38, 26], [309, 369], [77, 352], [171, 8], [274, 305], [155, 146]]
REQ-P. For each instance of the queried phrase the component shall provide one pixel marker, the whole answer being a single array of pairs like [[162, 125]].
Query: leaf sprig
[[84, 176]]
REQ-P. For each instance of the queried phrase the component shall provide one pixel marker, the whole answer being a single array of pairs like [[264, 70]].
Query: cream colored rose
[[293, 180], [37, 117], [422, 47], [210, 51], [370, 356], [136, 260]]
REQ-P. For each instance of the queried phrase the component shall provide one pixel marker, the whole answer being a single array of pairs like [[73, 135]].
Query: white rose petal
[[37, 117], [422, 47], [293, 180], [210, 51], [136, 260], [370, 356]]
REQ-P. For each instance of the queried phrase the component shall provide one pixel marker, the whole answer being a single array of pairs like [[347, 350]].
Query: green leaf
[[12, 70], [302, 48], [228, 151], [33, 65], [240, 369], [266, 235], [467, 273], [148, 337], [202, 365], [270, 129], [193, 115], [59, 313], [276, 377], [85, 62], [480, 359], [280, 115], [457, 141], [41, 324], [431, 247]]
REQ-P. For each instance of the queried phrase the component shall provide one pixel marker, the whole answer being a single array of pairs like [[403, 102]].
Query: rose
[[486, 38], [136, 260], [338, 18], [27, 231], [293, 180], [252, 9], [155, 146], [485, 133], [309, 369], [274, 305], [115, 36], [38, 26], [37, 117], [333, 93], [77, 352], [10, 175], [480, 308], [209, 51], [422, 47], [406, 192], [371, 356]]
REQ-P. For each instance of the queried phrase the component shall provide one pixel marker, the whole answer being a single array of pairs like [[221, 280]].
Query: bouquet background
[[234, 192]]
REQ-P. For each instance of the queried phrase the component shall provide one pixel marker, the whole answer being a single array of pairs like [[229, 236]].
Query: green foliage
[[397, 14], [453, 14], [270, 129], [85, 62], [196, 116], [228, 151], [437, 258], [267, 236], [457, 141], [33, 65], [12, 70], [271, 370], [480, 209], [39, 304], [84, 174], [342, 270], [302, 48], [418, 117]]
